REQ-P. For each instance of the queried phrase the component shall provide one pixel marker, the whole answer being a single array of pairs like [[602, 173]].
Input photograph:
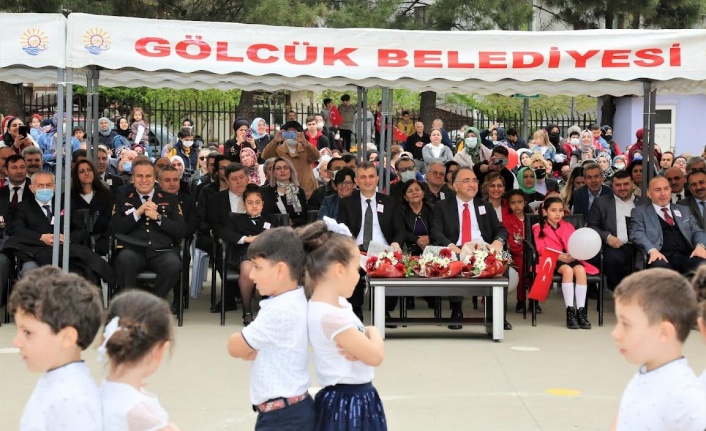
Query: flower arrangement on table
[[483, 261], [443, 265], [389, 264]]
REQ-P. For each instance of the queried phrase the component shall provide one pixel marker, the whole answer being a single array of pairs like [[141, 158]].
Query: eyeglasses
[[408, 169], [282, 168], [346, 184], [468, 181], [203, 158], [437, 173]]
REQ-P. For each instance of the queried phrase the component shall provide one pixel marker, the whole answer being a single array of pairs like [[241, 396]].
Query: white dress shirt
[[377, 232], [676, 197], [622, 210], [20, 191], [151, 195], [658, 210], [236, 203], [475, 228]]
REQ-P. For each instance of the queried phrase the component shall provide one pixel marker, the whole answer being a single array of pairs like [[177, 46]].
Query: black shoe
[[175, 308], [217, 308], [247, 319], [388, 316], [571, 321], [456, 315], [507, 326], [520, 307], [410, 303], [431, 301], [582, 317]]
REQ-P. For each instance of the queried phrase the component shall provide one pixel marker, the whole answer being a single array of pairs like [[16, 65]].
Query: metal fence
[[213, 120]]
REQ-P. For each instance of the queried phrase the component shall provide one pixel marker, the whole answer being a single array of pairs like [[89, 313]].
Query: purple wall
[[689, 120]]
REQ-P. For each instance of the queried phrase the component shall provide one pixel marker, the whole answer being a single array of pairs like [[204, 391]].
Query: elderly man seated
[[696, 181]]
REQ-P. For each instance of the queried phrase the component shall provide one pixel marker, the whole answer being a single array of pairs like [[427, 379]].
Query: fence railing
[[213, 120]]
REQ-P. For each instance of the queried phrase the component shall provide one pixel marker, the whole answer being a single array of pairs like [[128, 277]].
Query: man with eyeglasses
[[203, 173], [344, 182], [435, 189], [406, 170], [330, 188], [497, 163], [463, 219], [677, 180]]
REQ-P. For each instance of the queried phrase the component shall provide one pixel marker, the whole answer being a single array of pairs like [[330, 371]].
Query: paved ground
[[542, 378]]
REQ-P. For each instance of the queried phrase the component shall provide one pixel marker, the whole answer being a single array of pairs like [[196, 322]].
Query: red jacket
[[558, 240]]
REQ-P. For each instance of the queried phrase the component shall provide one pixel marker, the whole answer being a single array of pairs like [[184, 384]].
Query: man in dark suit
[[5, 222], [607, 217], [370, 217], [667, 232], [697, 201], [220, 206], [583, 197], [149, 226], [414, 144], [497, 163], [466, 218], [18, 187], [114, 182]]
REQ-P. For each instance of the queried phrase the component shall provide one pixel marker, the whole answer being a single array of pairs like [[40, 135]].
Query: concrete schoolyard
[[539, 378]]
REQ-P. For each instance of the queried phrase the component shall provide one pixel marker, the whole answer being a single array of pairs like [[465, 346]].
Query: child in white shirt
[[276, 342], [699, 283], [656, 309], [138, 333], [344, 350], [57, 316]]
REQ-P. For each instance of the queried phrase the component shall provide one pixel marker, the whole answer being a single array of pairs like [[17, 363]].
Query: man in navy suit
[[383, 228], [583, 197], [667, 232], [465, 209]]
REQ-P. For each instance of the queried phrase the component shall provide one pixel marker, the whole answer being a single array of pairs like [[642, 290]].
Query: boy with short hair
[[58, 316], [656, 309], [277, 341]]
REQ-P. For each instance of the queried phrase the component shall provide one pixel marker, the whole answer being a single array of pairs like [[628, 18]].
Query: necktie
[[368, 226], [466, 225], [47, 208], [146, 198], [15, 197], [703, 210], [668, 217], [678, 197], [255, 220]]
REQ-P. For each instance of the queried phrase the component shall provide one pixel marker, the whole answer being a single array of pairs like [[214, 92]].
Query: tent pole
[[525, 119], [382, 139], [68, 150], [648, 124], [387, 137], [89, 113], [59, 165], [96, 93]]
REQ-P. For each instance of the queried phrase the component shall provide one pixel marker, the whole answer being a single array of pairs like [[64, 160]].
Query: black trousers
[[346, 136], [165, 263], [299, 417], [358, 297], [615, 265], [679, 262]]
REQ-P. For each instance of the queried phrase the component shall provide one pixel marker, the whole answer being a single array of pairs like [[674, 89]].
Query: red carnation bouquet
[[388, 264], [441, 265], [483, 261]]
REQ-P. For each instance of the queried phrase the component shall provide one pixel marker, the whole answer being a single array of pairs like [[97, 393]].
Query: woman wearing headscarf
[[109, 137], [260, 134], [586, 149], [472, 151], [527, 180], [14, 140], [122, 127], [243, 138], [254, 171]]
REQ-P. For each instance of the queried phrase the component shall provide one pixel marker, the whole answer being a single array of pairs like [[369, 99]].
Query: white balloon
[[513, 280], [584, 244]]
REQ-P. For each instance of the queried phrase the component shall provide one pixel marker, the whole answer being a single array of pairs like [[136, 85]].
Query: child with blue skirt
[[344, 350]]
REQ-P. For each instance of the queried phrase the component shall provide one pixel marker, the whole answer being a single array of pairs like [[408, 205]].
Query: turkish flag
[[543, 280], [335, 117]]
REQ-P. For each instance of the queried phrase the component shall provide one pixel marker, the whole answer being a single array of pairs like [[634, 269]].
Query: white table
[[491, 288]]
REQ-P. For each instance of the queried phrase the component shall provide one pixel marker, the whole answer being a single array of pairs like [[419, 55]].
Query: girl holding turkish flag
[[553, 232]]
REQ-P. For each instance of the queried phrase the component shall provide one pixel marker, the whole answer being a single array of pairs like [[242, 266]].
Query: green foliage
[[401, 99], [552, 106], [479, 14]]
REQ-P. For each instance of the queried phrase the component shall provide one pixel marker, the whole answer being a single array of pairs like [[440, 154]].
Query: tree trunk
[[427, 108], [608, 110], [246, 107], [10, 102]]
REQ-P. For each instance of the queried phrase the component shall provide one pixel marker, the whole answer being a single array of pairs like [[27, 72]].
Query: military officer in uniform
[[149, 226]]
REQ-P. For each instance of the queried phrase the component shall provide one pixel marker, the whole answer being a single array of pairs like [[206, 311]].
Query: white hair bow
[[111, 328], [337, 227]]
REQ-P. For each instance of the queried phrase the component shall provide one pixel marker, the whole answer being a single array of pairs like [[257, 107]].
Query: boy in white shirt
[[656, 309], [276, 341], [58, 316]]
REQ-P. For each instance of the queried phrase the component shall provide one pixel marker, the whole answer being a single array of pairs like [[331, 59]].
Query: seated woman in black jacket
[[90, 195], [416, 216], [283, 194]]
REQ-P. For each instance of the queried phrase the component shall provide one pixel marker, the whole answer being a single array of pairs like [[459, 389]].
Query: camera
[[22, 130], [248, 134], [289, 135], [499, 162]]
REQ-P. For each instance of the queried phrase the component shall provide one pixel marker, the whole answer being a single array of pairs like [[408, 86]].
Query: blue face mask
[[127, 167], [44, 195], [407, 175], [637, 156]]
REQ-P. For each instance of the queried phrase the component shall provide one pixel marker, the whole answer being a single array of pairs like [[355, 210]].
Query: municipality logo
[[96, 40], [34, 41]]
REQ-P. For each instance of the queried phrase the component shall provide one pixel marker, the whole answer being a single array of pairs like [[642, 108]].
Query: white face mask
[[187, 144], [337, 136], [320, 125], [471, 142], [575, 142]]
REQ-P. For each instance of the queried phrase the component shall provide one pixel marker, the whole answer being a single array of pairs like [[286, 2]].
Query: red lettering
[[181, 48], [616, 58], [518, 59], [454, 63], [253, 53], [650, 57], [427, 59], [581, 59], [488, 59], [331, 56], [290, 54], [675, 55], [152, 47], [392, 58], [222, 53]]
